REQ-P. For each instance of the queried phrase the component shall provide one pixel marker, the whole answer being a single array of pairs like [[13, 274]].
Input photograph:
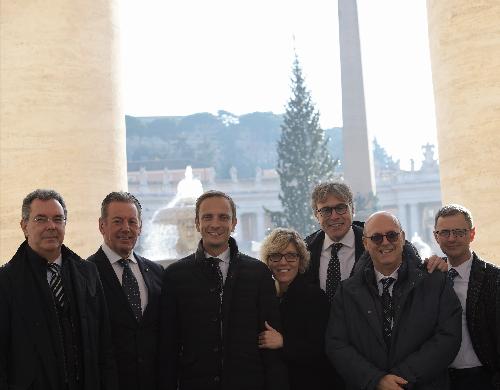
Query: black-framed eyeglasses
[[340, 209], [43, 220], [290, 257], [378, 238], [445, 233]]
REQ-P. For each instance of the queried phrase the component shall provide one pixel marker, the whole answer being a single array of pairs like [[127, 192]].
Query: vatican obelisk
[[465, 54], [358, 160], [61, 120]]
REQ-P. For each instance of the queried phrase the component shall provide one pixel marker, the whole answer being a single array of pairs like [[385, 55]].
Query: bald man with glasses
[[477, 285], [393, 325]]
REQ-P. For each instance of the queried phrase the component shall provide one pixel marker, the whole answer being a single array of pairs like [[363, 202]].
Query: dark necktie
[[131, 288], [452, 274], [333, 272], [56, 285], [387, 309]]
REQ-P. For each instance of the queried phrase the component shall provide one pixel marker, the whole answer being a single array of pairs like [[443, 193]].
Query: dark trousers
[[477, 378]]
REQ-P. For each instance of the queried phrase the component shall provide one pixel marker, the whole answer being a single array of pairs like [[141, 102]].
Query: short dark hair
[[338, 189], [212, 194], [119, 196], [454, 209], [41, 194]]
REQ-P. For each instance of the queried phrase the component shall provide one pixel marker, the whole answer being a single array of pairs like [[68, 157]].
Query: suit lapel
[[476, 278], [151, 287], [111, 283], [227, 295]]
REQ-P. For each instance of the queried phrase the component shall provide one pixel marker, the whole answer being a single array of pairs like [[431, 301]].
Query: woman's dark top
[[304, 313]]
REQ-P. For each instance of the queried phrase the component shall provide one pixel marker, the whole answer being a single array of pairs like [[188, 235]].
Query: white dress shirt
[[224, 258], [346, 257], [113, 258], [466, 357], [379, 276]]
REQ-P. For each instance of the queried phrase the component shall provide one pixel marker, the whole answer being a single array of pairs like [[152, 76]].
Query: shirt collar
[[347, 240], [113, 257], [379, 276], [224, 256], [463, 269]]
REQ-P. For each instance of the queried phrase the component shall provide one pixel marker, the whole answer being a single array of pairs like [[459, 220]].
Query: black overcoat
[[30, 354], [197, 351]]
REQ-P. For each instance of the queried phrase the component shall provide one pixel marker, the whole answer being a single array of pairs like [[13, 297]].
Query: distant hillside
[[203, 140]]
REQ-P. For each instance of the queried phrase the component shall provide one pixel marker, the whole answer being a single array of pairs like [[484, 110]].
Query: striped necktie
[[56, 285]]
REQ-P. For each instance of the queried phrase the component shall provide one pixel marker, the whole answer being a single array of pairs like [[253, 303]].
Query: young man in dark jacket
[[393, 325], [214, 304]]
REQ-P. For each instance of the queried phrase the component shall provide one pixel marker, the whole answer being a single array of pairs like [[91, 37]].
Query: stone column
[[465, 53], [61, 120]]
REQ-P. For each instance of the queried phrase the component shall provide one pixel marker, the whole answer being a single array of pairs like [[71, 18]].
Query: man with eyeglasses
[[132, 286], [477, 284], [393, 325], [337, 246], [54, 327]]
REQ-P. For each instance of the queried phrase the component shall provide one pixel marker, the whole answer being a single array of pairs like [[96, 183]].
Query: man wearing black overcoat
[[477, 284], [392, 324], [54, 327], [135, 333], [214, 304]]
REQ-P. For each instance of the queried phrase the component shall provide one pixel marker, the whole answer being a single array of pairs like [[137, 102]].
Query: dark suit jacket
[[197, 351], [483, 314], [31, 353], [304, 314], [314, 244], [135, 343]]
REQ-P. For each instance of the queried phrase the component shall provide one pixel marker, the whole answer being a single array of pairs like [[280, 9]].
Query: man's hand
[[391, 382], [270, 338], [435, 262]]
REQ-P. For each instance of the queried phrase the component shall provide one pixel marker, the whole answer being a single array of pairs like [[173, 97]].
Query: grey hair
[[119, 196], [454, 209], [338, 189], [41, 194]]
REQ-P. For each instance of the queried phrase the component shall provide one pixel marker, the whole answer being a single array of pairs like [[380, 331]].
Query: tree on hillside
[[303, 157]]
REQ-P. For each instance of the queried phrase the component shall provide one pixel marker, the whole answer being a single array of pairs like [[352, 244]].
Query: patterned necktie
[[387, 309], [333, 272], [452, 274], [56, 285], [131, 288]]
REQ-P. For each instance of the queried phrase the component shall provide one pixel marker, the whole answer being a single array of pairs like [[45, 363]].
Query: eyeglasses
[[378, 238], [43, 220], [445, 233], [340, 209], [290, 257]]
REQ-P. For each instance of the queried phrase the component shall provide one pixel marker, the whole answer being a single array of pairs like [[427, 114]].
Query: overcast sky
[[183, 57]]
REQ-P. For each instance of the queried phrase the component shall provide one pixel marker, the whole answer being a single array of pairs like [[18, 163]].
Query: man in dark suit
[[54, 327], [132, 286], [215, 302], [337, 246], [477, 284]]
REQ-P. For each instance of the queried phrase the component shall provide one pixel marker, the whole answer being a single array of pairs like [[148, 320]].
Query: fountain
[[172, 231]]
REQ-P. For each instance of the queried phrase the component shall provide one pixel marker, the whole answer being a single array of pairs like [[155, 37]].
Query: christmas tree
[[303, 157]]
